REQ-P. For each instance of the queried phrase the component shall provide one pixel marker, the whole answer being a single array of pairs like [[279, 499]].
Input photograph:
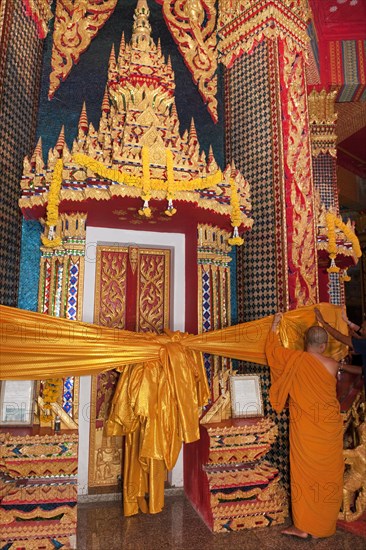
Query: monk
[[308, 379]]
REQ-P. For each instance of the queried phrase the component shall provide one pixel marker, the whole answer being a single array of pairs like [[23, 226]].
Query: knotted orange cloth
[[316, 435], [162, 387]]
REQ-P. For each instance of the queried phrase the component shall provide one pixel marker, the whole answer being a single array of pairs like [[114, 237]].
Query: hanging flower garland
[[145, 195], [170, 211], [345, 278], [332, 221], [51, 394], [235, 215], [52, 207], [155, 183], [170, 185]]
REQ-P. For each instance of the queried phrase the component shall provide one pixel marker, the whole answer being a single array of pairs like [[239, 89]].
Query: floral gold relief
[[192, 24], [129, 280], [76, 24], [298, 177], [153, 290], [111, 286], [41, 13]]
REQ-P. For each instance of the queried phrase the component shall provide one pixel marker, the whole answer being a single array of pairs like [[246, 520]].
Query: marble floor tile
[[101, 526]]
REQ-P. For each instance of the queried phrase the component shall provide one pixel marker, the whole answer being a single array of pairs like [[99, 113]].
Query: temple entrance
[[132, 292]]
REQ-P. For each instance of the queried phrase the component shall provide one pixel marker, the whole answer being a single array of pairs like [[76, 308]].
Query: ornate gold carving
[[111, 287], [322, 117], [49, 492], [230, 9], [243, 24], [152, 271], [192, 24], [264, 519], [212, 243], [139, 149], [238, 455], [76, 24], [133, 257], [153, 290], [299, 180], [40, 12], [13, 515], [354, 488], [342, 234], [105, 453]]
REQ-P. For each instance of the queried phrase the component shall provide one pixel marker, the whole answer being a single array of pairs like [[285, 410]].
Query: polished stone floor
[[101, 526]]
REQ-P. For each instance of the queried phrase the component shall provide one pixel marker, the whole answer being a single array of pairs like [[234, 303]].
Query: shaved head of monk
[[316, 338]]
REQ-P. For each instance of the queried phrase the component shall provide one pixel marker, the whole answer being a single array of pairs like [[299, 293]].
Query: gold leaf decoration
[[76, 24], [192, 24]]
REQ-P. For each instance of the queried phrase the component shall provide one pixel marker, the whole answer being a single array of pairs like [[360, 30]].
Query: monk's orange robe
[[316, 435]]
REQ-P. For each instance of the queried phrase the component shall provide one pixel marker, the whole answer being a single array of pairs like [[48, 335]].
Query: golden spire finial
[[141, 30], [83, 120], [60, 141], [37, 155], [112, 58], [105, 103]]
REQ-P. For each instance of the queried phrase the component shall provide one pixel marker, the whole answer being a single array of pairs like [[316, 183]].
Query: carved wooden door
[[132, 292]]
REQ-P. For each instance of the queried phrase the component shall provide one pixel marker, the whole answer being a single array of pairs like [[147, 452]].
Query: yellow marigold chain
[[332, 222], [52, 206], [155, 184], [146, 184]]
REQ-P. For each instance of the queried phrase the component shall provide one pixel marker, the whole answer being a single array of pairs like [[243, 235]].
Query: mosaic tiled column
[[263, 46], [61, 287], [214, 298], [324, 152], [20, 70]]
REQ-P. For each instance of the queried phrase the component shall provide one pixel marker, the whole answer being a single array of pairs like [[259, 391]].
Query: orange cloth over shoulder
[[316, 435]]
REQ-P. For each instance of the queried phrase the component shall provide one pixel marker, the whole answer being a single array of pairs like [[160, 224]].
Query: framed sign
[[246, 396], [16, 402]]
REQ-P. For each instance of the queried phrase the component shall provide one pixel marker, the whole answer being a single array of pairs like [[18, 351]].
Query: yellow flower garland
[[136, 181], [170, 185], [52, 205], [145, 174], [51, 392], [332, 222], [235, 216]]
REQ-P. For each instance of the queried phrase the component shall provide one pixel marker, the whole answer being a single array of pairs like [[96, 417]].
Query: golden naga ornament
[[76, 24], [192, 24]]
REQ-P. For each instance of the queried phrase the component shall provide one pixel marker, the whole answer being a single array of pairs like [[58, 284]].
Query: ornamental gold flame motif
[[192, 24], [137, 151], [41, 13], [76, 24]]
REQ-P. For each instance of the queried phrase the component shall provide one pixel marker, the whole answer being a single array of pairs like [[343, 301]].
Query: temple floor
[[101, 525]]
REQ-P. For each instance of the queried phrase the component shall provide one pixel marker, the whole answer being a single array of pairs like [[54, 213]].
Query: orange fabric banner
[[163, 385]]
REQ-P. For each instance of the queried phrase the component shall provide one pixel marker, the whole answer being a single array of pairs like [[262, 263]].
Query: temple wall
[[20, 68]]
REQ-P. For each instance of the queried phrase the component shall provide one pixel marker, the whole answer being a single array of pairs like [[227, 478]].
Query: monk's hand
[[276, 320]]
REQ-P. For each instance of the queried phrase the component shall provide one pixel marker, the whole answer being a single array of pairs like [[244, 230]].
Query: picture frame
[[246, 396], [17, 402]]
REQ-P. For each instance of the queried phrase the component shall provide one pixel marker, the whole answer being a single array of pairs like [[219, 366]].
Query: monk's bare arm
[[353, 369], [276, 321], [345, 339]]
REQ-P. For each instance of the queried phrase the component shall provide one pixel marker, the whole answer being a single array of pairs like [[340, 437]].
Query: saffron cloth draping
[[163, 384], [316, 436]]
